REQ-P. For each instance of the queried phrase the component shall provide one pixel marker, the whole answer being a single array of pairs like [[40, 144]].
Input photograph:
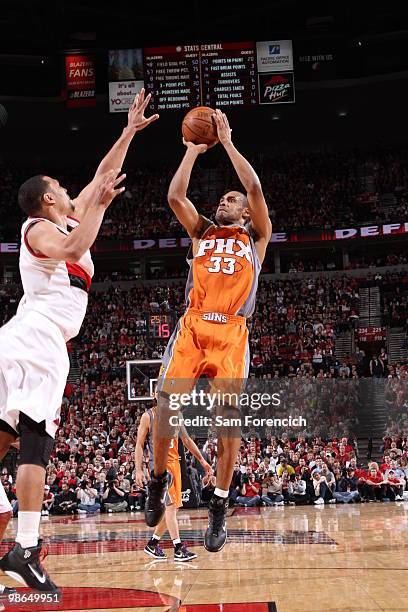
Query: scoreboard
[[172, 77], [216, 75], [220, 74]]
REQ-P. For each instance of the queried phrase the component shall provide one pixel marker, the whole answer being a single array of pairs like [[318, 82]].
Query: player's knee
[[35, 443]]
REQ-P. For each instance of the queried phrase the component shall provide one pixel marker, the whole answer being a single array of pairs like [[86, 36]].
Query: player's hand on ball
[[197, 148], [223, 127], [136, 119], [109, 187]]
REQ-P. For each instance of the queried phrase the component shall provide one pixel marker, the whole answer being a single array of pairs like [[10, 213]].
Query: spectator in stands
[[65, 502], [12, 497], [48, 500], [284, 467], [322, 493], [298, 493], [87, 498], [250, 492], [114, 497], [376, 367], [347, 487], [208, 487], [373, 485], [272, 490], [394, 486]]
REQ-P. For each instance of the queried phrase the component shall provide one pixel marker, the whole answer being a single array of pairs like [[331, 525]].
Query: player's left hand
[[136, 119], [223, 127], [196, 148]]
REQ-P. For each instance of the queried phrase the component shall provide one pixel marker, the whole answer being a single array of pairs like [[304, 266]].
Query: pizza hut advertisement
[[276, 87]]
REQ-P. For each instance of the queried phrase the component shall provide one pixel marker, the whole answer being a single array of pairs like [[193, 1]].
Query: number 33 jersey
[[223, 275]]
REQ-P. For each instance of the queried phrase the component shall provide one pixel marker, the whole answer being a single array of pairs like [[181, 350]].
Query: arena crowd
[[292, 341]]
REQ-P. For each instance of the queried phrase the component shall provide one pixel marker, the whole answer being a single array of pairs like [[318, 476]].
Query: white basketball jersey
[[55, 288]]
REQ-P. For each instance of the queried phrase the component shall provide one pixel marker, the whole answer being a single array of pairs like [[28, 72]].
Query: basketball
[[199, 126]]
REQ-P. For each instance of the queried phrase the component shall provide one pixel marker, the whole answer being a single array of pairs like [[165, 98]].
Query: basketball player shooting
[[212, 337], [56, 271]]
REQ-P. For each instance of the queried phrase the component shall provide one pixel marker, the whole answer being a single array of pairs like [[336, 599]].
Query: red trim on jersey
[[73, 218], [76, 270], [30, 250]]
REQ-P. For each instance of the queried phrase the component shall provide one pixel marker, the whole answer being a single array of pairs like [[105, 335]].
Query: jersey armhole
[[29, 248], [206, 226]]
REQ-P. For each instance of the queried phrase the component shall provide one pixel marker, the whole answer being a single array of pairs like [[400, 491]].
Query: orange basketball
[[199, 126]]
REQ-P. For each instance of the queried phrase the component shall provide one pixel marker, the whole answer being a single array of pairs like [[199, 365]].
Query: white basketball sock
[[220, 492], [28, 528]]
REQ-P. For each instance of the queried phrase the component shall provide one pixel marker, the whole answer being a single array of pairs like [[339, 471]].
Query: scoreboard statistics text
[[216, 75]]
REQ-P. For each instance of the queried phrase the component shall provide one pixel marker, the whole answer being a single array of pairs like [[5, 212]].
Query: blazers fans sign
[[80, 79], [276, 87]]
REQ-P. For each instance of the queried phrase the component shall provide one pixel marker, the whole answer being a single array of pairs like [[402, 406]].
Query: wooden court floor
[[291, 559]]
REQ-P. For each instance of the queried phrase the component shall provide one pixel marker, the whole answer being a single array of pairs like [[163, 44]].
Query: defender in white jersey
[[50, 313], [56, 271]]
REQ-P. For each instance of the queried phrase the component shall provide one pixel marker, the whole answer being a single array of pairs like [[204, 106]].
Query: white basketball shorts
[[34, 366]]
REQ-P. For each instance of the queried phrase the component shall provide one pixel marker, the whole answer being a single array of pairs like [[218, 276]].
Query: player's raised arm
[[46, 239], [258, 209], [183, 208], [116, 156]]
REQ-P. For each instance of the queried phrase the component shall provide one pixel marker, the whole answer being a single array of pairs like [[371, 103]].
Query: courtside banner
[[80, 80], [387, 230]]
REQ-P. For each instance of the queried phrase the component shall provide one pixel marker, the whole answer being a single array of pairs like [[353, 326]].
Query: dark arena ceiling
[[39, 26]]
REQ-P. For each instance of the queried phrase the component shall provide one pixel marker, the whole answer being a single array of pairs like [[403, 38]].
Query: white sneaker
[[44, 513], [332, 501], [398, 498], [319, 501], [281, 503], [81, 511]]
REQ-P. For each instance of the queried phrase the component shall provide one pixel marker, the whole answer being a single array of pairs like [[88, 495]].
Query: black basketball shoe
[[181, 553], [156, 499], [155, 551], [216, 534], [24, 565]]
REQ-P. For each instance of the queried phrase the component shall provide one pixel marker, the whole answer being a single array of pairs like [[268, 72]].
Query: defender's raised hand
[[108, 187], [223, 127], [136, 119]]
